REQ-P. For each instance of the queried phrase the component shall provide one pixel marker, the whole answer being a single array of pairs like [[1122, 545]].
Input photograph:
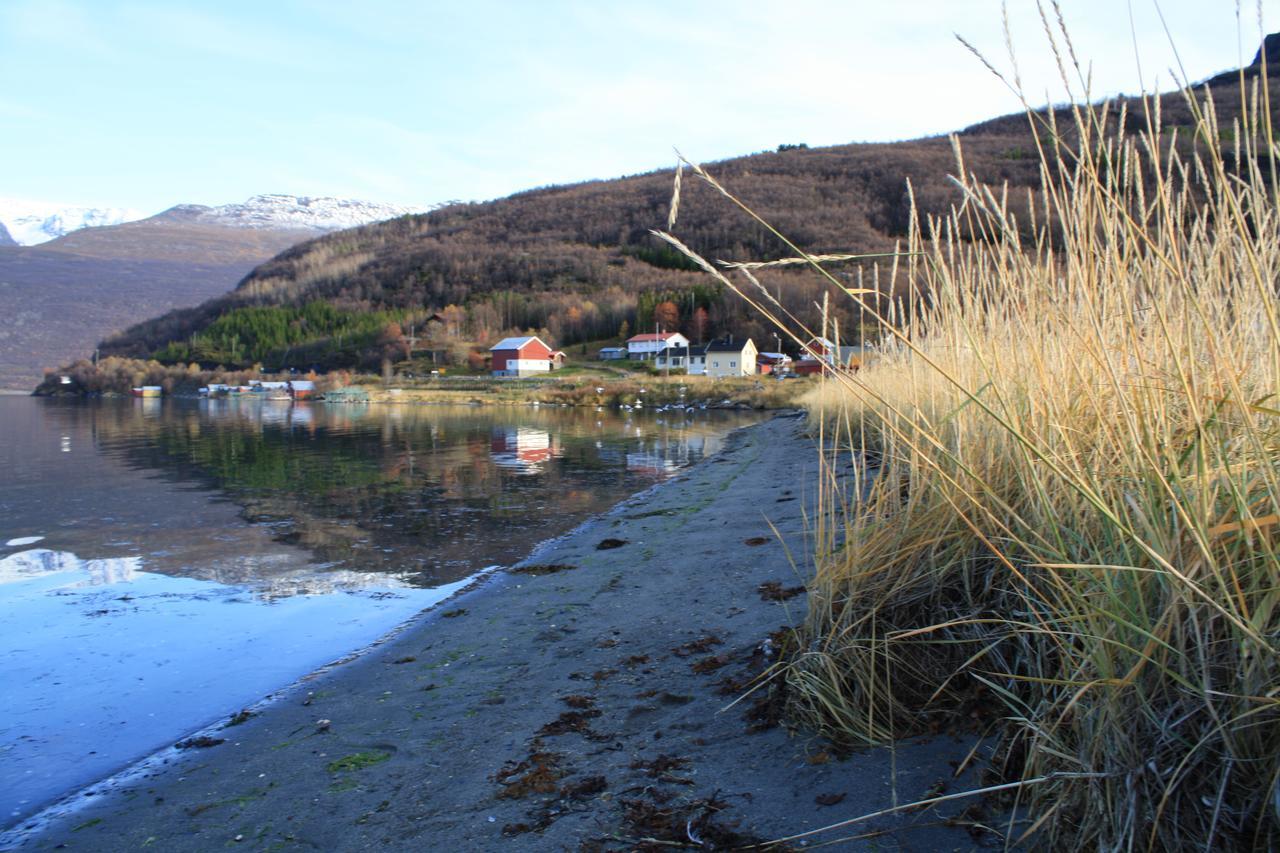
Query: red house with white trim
[[523, 357]]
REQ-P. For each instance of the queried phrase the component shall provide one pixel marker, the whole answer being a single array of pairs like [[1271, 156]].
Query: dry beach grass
[[1067, 537]]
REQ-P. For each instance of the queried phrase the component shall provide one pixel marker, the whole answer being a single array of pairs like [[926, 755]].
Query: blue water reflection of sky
[[95, 675]]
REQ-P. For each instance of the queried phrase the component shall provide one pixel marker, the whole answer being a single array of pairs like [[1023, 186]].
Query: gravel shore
[[579, 701]]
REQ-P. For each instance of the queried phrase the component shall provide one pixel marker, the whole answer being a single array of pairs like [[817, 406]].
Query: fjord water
[[166, 563]]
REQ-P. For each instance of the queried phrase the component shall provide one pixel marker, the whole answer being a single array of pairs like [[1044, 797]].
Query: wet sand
[[578, 702]]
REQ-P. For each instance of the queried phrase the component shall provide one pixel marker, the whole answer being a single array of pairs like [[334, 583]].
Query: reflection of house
[[651, 464], [523, 357], [773, 362], [522, 448], [731, 358], [821, 353], [691, 359], [645, 347]]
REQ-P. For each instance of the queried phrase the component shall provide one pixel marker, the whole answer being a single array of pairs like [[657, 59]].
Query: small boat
[[282, 396]]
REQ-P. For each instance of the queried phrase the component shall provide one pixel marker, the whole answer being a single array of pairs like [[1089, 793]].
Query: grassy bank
[[1068, 544], [761, 392]]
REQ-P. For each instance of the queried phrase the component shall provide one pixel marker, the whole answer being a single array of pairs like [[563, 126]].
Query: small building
[[302, 389], [612, 353], [524, 356], [647, 347], [821, 354], [691, 359], [731, 358], [773, 362]]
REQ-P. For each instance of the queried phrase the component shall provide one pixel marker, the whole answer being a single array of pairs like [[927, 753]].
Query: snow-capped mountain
[[31, 222], [289, 212]]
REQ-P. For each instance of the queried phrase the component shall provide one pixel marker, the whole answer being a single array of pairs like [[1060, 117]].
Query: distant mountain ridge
[[29, 223], [278, 211]]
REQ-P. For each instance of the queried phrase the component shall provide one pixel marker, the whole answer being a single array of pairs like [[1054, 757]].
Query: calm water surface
[[164, 563]]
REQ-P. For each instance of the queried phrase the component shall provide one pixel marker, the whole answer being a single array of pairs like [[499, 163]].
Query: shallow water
[[169, 562]]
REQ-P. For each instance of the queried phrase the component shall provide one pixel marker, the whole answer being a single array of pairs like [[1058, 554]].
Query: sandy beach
[[578, 701]]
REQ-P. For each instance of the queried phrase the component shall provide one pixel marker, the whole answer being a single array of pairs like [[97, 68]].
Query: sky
[[148, 104]]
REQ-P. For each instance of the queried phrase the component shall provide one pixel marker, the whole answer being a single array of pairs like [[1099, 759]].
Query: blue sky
[[148, 104]]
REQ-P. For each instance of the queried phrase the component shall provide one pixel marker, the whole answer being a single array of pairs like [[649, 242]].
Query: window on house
[[715, 364], [733, 364]]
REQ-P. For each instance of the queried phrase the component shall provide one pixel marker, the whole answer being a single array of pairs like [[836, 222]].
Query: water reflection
[[312, 496], [28, 565]]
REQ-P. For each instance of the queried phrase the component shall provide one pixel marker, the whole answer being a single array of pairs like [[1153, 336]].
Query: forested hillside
[[578, 262]]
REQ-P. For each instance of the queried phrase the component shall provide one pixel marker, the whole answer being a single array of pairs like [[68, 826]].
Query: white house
[[646, 347], [731, 358], [691, 359]]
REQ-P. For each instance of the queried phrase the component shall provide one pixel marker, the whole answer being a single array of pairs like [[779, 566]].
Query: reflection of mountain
[[423, 494], [523, 449], [39, 562]]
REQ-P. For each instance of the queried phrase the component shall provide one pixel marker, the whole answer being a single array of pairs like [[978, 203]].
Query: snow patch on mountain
[[29, 223], [277, 211]]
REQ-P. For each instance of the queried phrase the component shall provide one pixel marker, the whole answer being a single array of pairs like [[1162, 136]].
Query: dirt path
[[575, 704]]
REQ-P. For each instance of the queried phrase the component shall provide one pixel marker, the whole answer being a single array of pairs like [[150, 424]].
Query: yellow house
[[731, 358]]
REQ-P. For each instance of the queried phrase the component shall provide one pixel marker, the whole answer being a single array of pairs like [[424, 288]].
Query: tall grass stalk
[[1067, 538]]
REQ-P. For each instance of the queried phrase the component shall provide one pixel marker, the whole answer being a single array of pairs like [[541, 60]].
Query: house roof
[[612, 349], [774, 356], [516, 343], [846, 353], [682, 352], [728, 345], [649, 338]]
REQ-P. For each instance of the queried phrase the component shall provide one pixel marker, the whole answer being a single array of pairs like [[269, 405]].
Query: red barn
[[522, 357]]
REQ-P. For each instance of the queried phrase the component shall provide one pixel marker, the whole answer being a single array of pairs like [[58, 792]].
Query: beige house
[[731, 358]]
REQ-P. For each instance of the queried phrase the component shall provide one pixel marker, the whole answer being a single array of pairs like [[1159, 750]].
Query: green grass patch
[[357, 761]]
